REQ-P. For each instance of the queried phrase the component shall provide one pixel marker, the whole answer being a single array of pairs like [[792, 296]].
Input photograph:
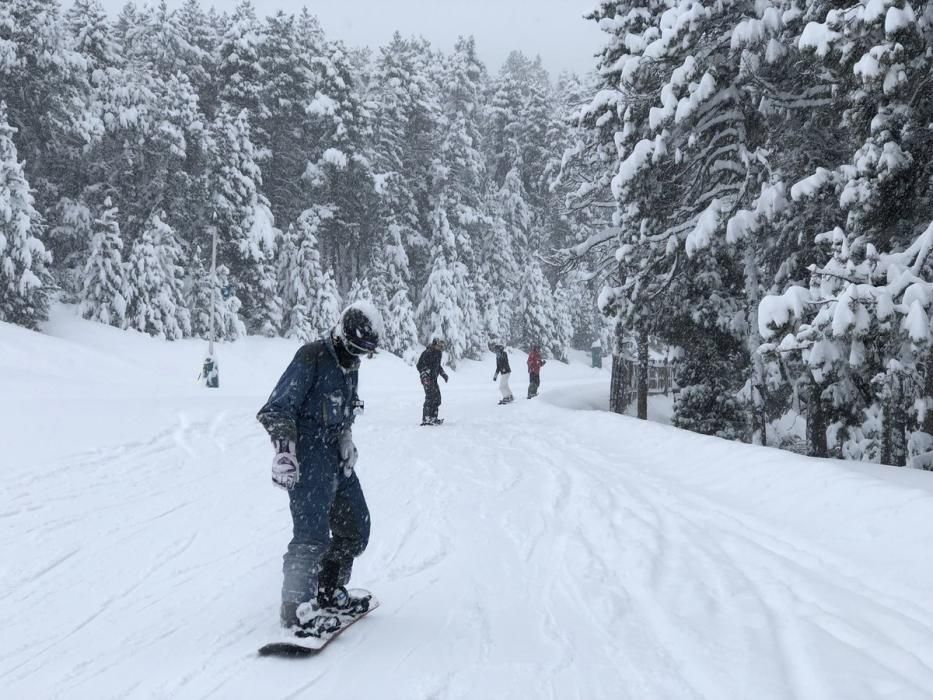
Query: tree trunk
[[619, 383], [643, 376], [617, 402], [928, 395], [816, 422], [759, 422]]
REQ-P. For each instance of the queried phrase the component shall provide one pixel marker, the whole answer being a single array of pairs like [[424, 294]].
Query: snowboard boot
[[332, 598], [307, 619], [338, 601]]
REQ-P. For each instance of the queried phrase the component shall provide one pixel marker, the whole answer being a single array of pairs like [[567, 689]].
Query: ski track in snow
[[515, 556]]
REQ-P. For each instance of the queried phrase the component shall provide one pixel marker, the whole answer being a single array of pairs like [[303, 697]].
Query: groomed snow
[[528, 551]]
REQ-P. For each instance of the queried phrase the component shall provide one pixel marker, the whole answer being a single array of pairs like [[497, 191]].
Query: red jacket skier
[[535, 363]]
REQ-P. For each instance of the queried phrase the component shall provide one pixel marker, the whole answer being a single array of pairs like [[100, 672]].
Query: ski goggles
[[362, 347]]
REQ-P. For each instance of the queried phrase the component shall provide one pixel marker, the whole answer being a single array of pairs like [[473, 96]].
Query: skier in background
[[535, 363], [429, 367], [503, 371], [309, 417]]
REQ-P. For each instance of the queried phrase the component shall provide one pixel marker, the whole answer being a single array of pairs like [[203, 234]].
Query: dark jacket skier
[[429, 368], [309, 418], [535, 363], [503, 370]]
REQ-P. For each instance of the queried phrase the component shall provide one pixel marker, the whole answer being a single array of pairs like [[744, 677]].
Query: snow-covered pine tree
[[395, 91], [537, 109], [92, 38], [308, 292], [177, 68], [328, 302], [203, 39], [506, 241], [360, 290], [42, 81], [203, 292], [166, 43], [441, 311], [504, 136], [104, 290], [422, 139], [459, 196], [677, 107], [565, 311], [299, 272], [391, 281], [536, 313], [339, 168], [403, 126], [858, 339], [155, 280], [283, 126], [461, 176], [241, 213], [23, 257], [239, 72], [847, 149]]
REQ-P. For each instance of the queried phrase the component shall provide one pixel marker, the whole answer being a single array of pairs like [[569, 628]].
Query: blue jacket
[[313, 402]]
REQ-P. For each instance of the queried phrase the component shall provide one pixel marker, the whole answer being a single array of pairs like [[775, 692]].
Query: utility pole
[[210, 373]]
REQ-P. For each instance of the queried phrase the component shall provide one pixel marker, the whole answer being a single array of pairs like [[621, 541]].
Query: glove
[[445, 378], [495, 377], [285, 465], [358, 406], [348, 453]]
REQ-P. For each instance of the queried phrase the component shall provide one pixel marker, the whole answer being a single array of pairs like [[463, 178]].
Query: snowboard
[[291, 645], [439, 421]]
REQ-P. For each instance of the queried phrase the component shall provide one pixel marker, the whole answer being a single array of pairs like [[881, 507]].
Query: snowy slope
[[526, 551]]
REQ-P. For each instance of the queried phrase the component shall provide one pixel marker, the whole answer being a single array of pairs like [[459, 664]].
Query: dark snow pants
[[534, 381], [432, 398], [330, 525]]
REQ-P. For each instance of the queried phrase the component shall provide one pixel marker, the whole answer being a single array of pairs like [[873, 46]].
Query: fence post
[[643, 376]]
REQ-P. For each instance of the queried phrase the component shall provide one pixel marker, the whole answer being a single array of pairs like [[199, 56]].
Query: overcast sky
[[553, 29]]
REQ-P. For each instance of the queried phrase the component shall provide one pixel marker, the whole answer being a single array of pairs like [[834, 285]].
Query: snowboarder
[[309, 418], [429, 367], [502, 372], [535, 363]]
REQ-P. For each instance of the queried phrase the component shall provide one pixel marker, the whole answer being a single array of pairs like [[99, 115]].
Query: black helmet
[[360, 329]]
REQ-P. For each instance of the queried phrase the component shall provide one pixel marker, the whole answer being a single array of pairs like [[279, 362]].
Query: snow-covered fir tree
[[105, 293], [506, 242], [440, 313], [155, 281], [205, 293], [92, 37], [309, 294], [23, 257], [536, 315], [238, 210], [239, 72]]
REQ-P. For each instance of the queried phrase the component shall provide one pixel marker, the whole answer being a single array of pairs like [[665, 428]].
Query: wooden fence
[[624, 387]]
